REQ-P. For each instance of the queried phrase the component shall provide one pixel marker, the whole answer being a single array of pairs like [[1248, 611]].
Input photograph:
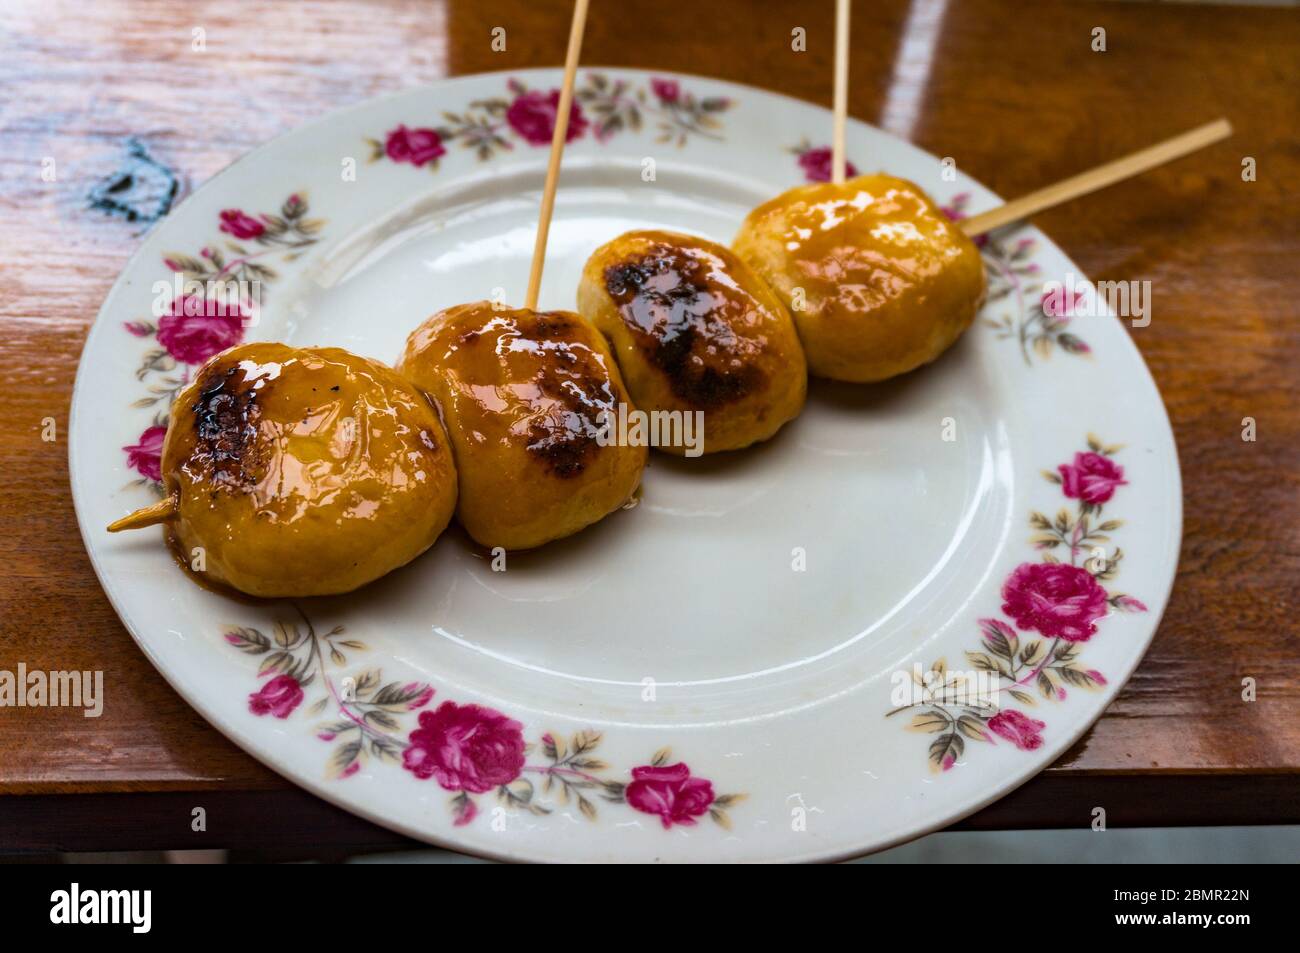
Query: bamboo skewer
[[160, 512], [1098, 178], [1072, 188], [841, 95], [557, 151]]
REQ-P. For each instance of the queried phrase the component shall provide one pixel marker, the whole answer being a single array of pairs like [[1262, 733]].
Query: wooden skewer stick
[[159, 512], [1098, 178], [557, 151], [841, 96]]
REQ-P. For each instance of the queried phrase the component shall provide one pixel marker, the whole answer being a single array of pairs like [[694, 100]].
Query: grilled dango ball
[[527, 397], [302, 471], [878, 279], [694, 329]]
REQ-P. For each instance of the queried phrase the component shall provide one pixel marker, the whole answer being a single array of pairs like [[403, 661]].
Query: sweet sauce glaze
[[300, 470], [525, 396], [296, 431], [691, 319], [887, 280], [855, 249], [696, 331], [529, 378]]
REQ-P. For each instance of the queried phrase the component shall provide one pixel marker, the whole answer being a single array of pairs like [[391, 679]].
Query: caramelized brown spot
[[575, 381], [565, 455], [550, 325], [226, 450], [682, 320]]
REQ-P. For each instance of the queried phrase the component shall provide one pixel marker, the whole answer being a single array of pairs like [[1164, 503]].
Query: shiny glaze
[[296, 450], [690, 318], [888, 281], [297, 432], [524, 395], [524, 378], [855, 249], [696, 330]]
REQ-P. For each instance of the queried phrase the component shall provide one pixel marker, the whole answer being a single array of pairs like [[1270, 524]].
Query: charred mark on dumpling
[[564, 455], [565, 441], [574, 379], [225, 427], [681, 321], [549, 325]]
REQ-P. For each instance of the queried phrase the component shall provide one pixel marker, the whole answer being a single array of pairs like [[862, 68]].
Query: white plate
[[745, 626]]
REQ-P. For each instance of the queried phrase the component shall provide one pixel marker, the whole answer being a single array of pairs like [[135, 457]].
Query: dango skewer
[[527, 395], [878, 279]]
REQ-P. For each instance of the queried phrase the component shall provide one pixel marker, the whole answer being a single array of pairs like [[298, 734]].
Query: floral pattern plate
[[913, 599]]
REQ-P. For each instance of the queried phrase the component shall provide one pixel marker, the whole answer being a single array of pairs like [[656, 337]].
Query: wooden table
[[1013, 91]]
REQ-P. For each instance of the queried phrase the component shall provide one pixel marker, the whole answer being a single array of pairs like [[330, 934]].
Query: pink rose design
[[416, 146], [145, 456], [278, 697], [1092, 478], [466, 748], [1018, 728], [533, 115], [1056, 304], [669, 792], [1055, 599], [816, 165], [194, 327], [424, 695], [666, 90], [234, 222], [465, 811]]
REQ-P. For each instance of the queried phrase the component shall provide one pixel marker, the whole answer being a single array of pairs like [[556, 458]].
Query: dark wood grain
[[1013, 92]]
